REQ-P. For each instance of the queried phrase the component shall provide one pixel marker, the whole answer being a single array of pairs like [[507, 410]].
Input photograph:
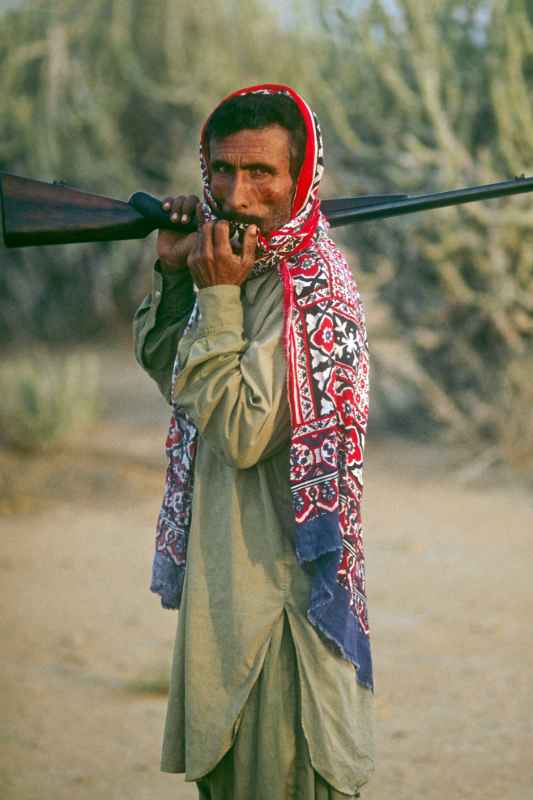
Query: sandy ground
[[86, 648]]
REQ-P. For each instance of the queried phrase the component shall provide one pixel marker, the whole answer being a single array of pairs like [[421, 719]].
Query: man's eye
[[258, 172], [221, 169]]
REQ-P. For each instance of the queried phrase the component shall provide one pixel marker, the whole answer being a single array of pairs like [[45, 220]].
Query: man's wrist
[[173, 275], [172, 292], [171, 269], [217, 283]]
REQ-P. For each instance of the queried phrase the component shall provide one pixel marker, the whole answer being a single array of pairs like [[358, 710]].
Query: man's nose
[[238, 194]]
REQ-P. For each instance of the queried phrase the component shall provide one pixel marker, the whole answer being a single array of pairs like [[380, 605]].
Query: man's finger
[[206, 242], [176, 209], [249, 244], [188, 208], [221, 239], [168, 205]]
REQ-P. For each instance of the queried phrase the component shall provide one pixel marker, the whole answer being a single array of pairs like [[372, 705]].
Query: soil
[[86, 648]]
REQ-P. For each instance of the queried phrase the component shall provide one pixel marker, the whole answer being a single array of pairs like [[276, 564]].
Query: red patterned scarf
[[327, 385]]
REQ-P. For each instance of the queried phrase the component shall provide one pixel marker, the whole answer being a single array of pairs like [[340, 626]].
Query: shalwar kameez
[[262, 704]]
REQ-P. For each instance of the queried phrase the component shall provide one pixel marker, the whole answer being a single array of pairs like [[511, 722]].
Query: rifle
[[39, 213]]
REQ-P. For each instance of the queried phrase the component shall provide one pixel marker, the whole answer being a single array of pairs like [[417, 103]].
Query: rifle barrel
[[425, 202]]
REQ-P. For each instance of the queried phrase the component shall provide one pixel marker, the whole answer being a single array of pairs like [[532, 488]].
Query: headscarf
[[326, 351]]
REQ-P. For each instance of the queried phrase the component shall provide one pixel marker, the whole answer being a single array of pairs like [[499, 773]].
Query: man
[[254, 331]]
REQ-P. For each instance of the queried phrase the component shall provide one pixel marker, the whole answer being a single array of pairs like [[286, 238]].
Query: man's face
[[250, 176]]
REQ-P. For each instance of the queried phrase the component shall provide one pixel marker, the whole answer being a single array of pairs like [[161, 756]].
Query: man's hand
[[173, 248], [213, 259]]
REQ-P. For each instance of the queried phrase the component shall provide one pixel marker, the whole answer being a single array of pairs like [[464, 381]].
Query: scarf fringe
[[167, 580], [319, 543]]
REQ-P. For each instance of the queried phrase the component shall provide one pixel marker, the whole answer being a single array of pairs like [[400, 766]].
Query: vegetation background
[[109, 95]]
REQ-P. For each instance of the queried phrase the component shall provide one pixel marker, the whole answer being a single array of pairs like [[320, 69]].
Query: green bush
[[109, 97], [413, 96], [433, 96], [47, 402]]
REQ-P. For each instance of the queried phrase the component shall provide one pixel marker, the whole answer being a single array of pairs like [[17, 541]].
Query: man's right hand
[[173, 248]]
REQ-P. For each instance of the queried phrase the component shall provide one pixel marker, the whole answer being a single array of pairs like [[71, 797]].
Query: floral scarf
[[327, 384]]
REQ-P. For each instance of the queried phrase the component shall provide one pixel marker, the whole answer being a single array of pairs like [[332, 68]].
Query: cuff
[[220, 307], [172, 293]]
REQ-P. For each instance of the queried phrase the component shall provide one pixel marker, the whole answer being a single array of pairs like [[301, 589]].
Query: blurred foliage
[[47, 401], [438, 95], [109, 96]]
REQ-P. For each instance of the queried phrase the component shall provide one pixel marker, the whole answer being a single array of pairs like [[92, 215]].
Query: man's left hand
[[213, 260]]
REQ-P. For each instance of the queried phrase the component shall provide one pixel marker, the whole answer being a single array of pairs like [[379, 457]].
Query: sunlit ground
[[86, 647]]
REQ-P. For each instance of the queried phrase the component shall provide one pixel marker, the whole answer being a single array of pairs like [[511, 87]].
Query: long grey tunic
[[242, 572]]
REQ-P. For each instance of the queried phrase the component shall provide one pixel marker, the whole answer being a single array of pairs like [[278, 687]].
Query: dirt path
[[86, 648]]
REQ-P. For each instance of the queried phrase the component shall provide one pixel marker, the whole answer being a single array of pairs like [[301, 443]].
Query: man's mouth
[[238, 224], [237, 237], [238, 220]]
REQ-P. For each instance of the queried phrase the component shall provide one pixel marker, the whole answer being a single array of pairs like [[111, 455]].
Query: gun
[[39, 213]]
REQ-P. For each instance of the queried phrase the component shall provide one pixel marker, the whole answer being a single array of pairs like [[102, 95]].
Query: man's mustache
[[238, 219]]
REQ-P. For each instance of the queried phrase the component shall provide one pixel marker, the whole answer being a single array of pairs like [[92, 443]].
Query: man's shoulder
[[321, 248], [322, 276]]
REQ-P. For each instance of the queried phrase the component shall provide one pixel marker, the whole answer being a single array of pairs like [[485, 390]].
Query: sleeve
[[159, 323], [234, 389]]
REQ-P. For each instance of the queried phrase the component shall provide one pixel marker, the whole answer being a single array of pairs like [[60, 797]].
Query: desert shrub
[[432, 96], [109, 96], [47, 401], [413, 96]]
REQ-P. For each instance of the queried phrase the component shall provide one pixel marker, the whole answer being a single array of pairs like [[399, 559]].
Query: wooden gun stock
[[39, 213]]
